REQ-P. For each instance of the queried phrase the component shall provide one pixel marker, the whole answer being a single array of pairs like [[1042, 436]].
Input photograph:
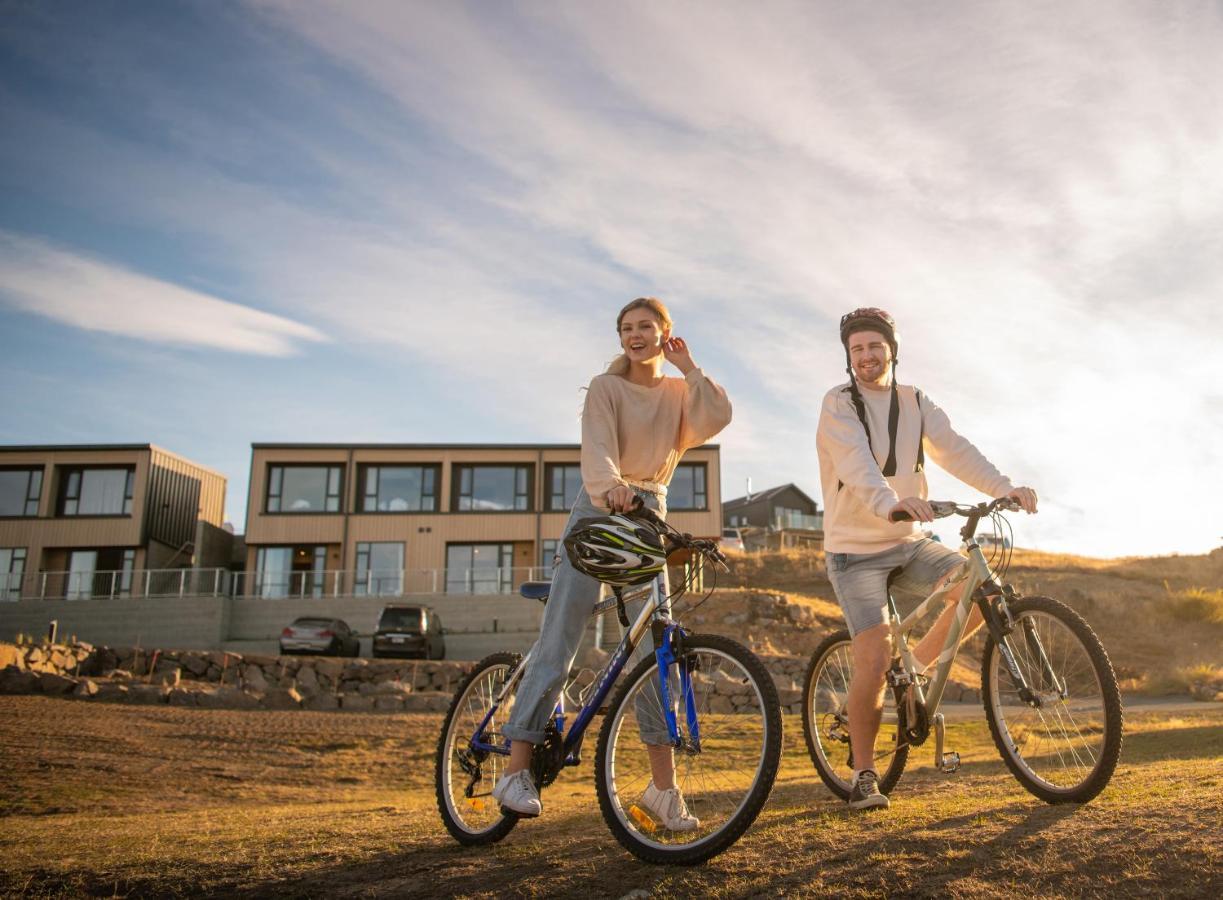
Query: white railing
[[799, 520], [120, 583], [384, 582]]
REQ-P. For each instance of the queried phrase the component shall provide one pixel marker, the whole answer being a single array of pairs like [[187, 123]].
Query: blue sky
[[301, 221]]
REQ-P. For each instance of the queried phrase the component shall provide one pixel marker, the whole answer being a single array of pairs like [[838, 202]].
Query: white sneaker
[[517, 793], [669, 808]]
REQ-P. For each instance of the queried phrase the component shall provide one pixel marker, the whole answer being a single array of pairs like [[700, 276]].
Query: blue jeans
[[570, 603]]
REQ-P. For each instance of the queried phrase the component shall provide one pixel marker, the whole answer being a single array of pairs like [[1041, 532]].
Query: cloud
[[86, 293]]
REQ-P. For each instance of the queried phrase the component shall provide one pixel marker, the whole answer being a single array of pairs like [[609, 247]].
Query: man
[[872, 440]]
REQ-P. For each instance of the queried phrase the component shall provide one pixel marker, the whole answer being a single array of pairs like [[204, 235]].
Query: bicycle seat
[[536, 590]]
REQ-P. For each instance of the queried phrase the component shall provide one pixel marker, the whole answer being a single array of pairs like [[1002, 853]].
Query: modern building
[[778, 517], [81, 521], [389, 519]]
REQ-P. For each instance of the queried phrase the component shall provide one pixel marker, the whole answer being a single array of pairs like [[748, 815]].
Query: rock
[[735, 619], [258, 659], [119, 674], [281, 698], [181, 697], [18, 681], [790, 697], [86, 689], [322, 702], [390, 688], [253, 680], [109, 690], [52, 683], [329, 667], [196, 665], [11, 655], [306, 678], [225, 697], [427, 701], [146, 693], [387, 703], [356, 702]]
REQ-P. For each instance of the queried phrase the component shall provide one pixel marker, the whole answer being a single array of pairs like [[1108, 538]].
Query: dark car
[[409, 631], [315, 634]]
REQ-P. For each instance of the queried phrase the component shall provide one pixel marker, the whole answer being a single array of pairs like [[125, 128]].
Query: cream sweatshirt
[[636, 435], [857, 496]]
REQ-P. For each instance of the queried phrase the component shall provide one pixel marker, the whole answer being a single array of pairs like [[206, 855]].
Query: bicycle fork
[[1001, 625]]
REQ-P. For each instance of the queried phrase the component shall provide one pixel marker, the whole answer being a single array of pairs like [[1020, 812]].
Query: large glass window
[[290, 571], [687, 488], [379, 570], [304, 489], [399, 488], [492, 488], [547, 556], [19, 491], [479, 568], [96, 492], [12, 568], [564, 482], [100, 573]]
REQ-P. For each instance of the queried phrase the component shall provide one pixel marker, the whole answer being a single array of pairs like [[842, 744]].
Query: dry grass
[[137, 801]]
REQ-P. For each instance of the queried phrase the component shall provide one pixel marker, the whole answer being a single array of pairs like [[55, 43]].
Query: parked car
[[731, 540], [414, 631], [314, 634]]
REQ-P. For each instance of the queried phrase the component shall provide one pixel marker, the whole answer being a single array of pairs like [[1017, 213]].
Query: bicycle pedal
[[643, 819], [950, 763]]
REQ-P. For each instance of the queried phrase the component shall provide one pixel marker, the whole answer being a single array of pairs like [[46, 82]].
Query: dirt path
[[155, 801]]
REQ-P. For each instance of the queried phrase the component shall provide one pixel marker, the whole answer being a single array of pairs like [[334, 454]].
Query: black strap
[[921, 438], [621, 612], [889, 467]]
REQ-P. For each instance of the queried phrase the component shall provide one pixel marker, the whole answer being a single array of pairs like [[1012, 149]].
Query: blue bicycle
[[711, 695]]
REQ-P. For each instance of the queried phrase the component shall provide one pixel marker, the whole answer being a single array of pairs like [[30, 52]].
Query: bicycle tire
[[486, 824], [825, 694], [1068, 725], [732, 814]]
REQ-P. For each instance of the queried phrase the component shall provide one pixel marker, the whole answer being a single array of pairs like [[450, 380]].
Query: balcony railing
[[385, 582], [122, 583], [267, 584], [785, 520]]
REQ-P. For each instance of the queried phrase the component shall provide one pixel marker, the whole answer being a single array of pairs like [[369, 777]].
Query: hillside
[[1160, 618]]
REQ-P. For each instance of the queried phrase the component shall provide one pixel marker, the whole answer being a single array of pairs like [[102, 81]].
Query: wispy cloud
[[88, 293]]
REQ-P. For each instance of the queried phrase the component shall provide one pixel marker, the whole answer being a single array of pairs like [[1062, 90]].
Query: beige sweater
[[636, 435], [857, 497]]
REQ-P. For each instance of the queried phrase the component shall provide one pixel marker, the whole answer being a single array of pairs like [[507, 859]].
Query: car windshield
[[404, 619], [312, 623]]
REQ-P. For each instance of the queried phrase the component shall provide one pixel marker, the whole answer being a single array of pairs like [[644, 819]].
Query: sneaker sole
[[873, 803], [506, 811]]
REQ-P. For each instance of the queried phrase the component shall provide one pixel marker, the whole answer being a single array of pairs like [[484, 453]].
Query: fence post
[[42, 591], [182, 583], [216, 582], [148, 581]]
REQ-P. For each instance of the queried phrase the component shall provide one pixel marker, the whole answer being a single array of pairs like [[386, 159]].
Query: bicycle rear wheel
[[725, 781], [1065, 748], [826, 720], [466, 776]]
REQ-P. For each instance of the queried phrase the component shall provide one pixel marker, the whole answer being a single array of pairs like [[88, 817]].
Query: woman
[[636, 425]]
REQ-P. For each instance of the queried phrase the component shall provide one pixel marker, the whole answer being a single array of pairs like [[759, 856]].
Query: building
[[82, 521], [783, 516], [389, 519]]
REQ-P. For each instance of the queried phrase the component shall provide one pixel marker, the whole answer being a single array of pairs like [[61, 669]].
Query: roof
[[767, 494], [265, 445]]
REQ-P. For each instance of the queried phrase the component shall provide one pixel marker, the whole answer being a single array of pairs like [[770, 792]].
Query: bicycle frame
[[654, 612]]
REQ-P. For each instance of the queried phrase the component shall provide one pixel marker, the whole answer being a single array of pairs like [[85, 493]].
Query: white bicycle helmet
[[618, 550]]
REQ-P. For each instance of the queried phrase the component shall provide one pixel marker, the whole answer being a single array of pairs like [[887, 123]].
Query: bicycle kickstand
[[948, 762]]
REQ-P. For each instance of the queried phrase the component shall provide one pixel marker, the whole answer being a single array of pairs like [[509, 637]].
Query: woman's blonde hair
[[620, 365]]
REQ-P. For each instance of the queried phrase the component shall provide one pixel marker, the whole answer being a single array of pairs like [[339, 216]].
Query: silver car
[[313, 634]]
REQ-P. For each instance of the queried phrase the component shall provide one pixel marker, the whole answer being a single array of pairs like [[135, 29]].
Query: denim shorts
[[861, 579]]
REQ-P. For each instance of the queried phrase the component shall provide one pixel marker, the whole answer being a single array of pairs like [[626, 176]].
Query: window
[[492, 488], [100, 573], [564, 482], [398, 488], [19, 491], [290, 571], [379, 570], [547, 556], [687, 488], [96, 492], [479, 568], [12, 567], [304, 489]]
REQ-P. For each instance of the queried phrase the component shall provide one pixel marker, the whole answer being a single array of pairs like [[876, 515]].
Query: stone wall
[[219, 679]]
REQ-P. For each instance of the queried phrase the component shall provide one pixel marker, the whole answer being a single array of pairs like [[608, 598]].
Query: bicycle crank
[[948, 762]]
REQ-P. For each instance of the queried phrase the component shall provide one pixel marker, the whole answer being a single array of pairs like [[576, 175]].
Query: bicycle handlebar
[[678, 539], [944, 508]]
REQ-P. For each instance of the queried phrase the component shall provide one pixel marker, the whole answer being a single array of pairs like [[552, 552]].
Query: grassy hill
[[1160, 618]]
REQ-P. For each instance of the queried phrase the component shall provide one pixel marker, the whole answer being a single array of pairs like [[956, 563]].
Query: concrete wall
[[193, 622]]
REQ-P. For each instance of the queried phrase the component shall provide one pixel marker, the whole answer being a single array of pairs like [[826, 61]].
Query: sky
[[288, 220]]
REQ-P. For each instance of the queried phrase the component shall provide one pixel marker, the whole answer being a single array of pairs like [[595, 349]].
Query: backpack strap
[[921, 438]]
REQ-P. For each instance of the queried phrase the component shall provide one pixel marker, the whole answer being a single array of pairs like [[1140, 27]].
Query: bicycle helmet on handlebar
[[619, 550]]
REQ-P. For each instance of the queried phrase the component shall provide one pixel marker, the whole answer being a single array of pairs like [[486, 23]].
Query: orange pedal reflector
[[642, 818], [477, 803]]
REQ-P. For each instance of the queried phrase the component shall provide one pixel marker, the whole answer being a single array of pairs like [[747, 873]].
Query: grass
[[1197, 605], [134, 801]]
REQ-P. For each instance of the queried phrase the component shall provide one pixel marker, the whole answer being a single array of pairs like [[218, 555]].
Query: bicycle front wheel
[[1064, 745], [725, 779], [826, 720], [465, 775]]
